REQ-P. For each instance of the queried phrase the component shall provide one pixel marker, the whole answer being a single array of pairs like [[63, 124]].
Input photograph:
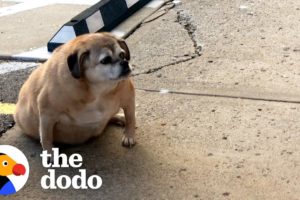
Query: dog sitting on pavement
[[75, 93]]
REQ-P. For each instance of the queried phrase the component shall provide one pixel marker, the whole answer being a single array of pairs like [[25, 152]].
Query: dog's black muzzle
[[125, 68]]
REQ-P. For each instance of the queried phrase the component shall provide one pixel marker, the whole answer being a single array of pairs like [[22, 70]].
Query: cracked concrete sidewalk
[[229, 130]]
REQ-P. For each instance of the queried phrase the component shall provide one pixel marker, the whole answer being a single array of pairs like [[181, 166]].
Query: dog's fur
[[74, 94]]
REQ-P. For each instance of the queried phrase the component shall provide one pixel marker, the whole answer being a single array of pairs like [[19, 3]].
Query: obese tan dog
[[75, 93]]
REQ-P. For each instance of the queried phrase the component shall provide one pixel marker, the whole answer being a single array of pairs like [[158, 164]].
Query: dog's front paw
[[128, 141]]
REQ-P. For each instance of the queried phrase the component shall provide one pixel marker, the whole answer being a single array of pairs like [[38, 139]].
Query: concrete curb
[[103, 16]]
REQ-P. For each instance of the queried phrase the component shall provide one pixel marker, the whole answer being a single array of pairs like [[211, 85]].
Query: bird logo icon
[[14, 170]]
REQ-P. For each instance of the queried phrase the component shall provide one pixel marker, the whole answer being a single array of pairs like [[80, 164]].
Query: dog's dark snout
[[124, 63], [125, 67]]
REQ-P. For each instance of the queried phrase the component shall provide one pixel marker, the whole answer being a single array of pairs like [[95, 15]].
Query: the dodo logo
[[14, 170]]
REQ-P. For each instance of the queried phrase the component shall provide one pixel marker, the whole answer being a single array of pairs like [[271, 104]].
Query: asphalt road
[[10, 84]]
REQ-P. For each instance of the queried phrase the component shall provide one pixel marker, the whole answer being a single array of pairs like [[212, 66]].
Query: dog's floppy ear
[[124, 46], [76, 64]]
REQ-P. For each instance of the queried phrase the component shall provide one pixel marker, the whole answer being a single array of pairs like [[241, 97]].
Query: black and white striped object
[[103, 16]]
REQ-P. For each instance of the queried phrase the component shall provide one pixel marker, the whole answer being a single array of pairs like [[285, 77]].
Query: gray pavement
[[244, 143], [30, 29]]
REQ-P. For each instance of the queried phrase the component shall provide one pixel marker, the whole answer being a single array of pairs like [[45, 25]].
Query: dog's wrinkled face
[[108, 65], [99, 58]]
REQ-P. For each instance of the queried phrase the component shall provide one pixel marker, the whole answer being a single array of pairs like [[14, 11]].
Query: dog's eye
[[122, 55], [106, 60]]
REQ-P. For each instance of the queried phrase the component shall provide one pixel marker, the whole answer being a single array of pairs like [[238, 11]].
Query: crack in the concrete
[[185, 20], [169, 5], [153, 70]]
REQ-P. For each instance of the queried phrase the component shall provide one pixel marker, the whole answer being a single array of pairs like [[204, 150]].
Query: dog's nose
[[124, 63], [125, 67]]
